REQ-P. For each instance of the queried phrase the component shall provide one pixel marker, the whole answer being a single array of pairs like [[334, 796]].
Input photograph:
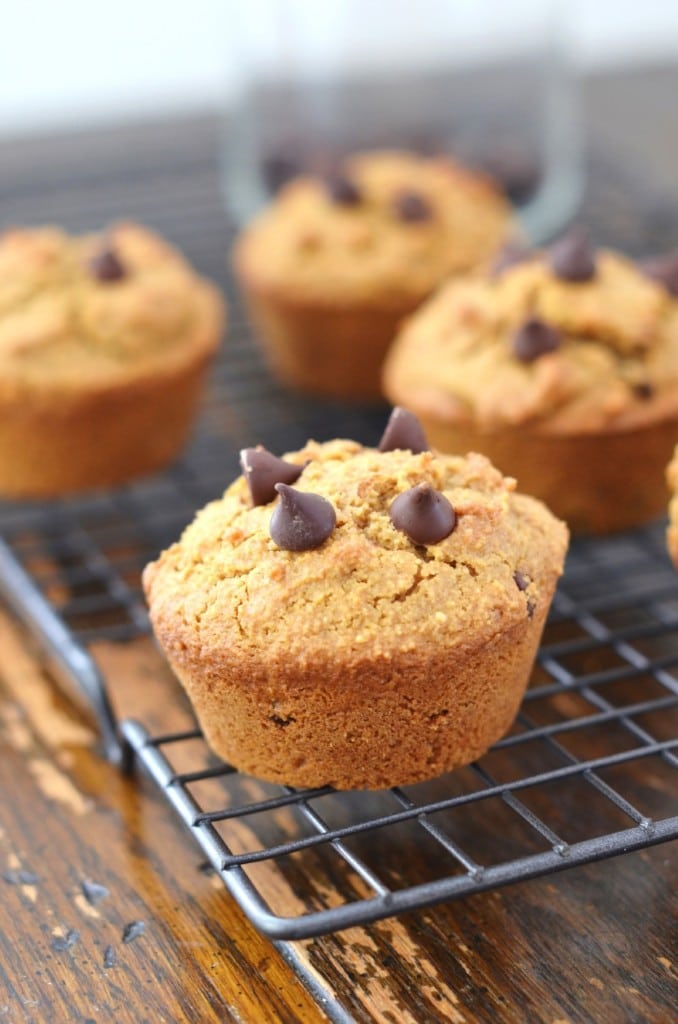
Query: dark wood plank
[[67, 817], [592, 944]]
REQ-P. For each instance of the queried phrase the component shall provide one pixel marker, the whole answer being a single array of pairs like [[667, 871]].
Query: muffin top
[[387, 229], [96, 309], [569, 341], [355, 559]]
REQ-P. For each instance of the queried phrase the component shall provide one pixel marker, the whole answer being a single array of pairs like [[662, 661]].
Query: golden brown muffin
[[104, 346], [372, 624], [563, 369], [333, 265], [672, 531]]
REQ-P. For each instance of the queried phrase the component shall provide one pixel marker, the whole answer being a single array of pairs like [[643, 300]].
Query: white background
[[65, 62]]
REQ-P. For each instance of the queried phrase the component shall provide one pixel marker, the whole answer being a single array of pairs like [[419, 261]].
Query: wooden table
[[592, 944], [107, 912]]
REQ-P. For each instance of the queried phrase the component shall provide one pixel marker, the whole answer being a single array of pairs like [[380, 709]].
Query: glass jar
[[485, 82]]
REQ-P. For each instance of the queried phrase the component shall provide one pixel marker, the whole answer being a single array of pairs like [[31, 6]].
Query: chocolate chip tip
[[521, 580], [534, 338], [412, 207], [572, 258], [403, 431], [342, 190], [644, 391], [423, 514], [301, 520], [263, 470], [105, 265]]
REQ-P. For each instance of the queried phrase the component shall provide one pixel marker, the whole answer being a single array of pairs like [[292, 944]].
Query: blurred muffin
[[562, 367], [104, 345], [355, 616], [334, 264]]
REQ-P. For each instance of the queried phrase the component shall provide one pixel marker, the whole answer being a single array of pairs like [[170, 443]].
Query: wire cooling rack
[[582, 775], [588, 768]]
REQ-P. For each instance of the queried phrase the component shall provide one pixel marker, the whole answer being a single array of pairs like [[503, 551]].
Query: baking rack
[[581, 776]]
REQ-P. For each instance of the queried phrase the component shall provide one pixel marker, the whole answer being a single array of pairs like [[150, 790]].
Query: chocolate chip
[[423, 514], [403, 431], [133, 930], [110, 957], [301, 521], [643, 390], [412, 207], [279, 166], [664, 270], [510, 255], [263, 471], [342, 190], [93, 892], [522, 582], [533, 339], [573, 258], [106, 266]]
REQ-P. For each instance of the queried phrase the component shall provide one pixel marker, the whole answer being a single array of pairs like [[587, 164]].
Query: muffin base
[[367, 725], [597, 483], [336, 351], [672, 528], [58, 444]]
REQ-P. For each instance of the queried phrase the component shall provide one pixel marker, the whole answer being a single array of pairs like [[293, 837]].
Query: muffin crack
[[470, 568], [237, 611], [419, 577]]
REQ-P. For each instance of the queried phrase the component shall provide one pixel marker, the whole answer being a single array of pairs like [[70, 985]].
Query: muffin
[[672, 531], [330, 269], [104, 345], [561, 367], [358, 617]]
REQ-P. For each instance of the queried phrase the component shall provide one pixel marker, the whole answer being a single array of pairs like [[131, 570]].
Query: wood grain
[[592, 944], [68, 817]]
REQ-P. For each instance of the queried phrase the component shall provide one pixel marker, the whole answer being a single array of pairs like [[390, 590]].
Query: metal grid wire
[[596, 719], [584, 772], [580, 776]]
